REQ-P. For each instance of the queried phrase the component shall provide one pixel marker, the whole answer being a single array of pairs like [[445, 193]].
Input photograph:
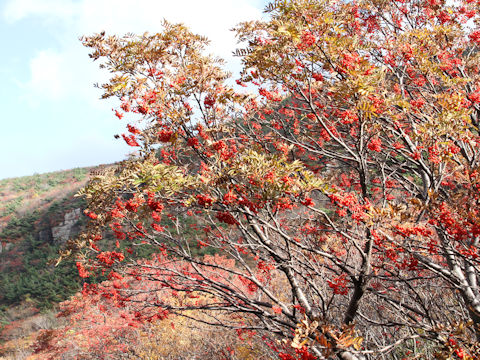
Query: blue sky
[[52, 118]]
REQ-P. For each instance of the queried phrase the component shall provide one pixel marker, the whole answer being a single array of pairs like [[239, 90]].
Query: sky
[[51, 116]]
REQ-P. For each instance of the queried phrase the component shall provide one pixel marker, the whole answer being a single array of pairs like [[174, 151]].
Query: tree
[[346, 192]]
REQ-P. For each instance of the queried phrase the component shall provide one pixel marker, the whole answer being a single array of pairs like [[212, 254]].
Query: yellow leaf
[[358, 343]]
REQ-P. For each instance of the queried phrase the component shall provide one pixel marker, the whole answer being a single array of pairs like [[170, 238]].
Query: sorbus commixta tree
[[346, 192]]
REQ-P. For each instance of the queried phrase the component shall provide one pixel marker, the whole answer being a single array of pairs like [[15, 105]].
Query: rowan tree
[[345, 193]]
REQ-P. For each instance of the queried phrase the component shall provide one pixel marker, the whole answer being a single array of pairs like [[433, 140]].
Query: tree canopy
[[340, 200]]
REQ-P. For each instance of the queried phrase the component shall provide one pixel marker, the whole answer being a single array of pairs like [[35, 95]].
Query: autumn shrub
[[108, 320]]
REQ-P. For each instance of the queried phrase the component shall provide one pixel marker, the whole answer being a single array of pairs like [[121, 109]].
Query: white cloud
[[213, 18], [68, 125], [47, 75], [18, 9], [66, 71]]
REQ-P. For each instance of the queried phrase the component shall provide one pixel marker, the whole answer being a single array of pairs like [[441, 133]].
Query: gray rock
[[64, 230]]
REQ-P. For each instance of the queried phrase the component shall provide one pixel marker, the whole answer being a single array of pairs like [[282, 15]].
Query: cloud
[[66, 71], [52, 94], [19, 9], [212, 18], [47, 75]]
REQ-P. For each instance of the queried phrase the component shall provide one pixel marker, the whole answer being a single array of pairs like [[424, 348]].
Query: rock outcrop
[[64, 230]]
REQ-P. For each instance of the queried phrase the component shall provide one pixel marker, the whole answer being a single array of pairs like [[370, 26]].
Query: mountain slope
[[37, 214]]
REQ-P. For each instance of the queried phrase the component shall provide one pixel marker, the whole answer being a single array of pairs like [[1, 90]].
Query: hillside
[[37, 214]]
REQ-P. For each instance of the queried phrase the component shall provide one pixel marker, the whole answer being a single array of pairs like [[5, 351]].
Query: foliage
[[100, 324], [367, 108], [25, 266], [36, 279], [27, 194]]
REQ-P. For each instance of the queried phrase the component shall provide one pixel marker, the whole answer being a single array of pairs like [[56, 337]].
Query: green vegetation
[[27, 272], [30, 207], [36, 278], [43, 182], [17, 227]]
